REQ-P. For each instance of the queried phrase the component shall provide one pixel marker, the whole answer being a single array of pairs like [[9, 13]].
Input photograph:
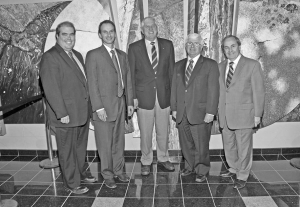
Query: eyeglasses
[[195, 44]]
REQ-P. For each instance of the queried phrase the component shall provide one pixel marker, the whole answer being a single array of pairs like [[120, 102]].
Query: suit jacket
[[145, 82], [65, 88], [201, 95], [245, 97], [103, 81]]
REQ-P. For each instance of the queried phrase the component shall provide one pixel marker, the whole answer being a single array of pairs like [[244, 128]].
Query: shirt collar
[[235, 62], [195, 59], [149, 42], [109, 49]]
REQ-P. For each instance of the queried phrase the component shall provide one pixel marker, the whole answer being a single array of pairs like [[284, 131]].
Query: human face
[[107, 34], [66, 38], [231, 48], [193, 46], [150, 30]]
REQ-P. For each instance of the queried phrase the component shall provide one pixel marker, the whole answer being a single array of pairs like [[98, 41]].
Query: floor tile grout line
[[210, 193], [129, 179], [9, 162], [181, 183], [102, 181]]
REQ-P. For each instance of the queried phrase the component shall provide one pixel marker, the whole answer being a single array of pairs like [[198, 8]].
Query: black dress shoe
[[226, 174], [145, 170], [200, 178], [167, 165], [78, 190], [185, 172], [122, 177], [110, 183], [238, 184], [89, 179]]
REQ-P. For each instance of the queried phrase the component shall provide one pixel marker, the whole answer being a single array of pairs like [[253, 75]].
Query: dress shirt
[[149, 47], [235, 62]]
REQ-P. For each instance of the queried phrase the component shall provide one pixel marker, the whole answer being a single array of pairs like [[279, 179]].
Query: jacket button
[[185, 90]]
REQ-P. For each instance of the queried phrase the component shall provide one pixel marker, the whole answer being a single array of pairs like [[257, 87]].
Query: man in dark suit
[[109, 81], [151, 61], [68, 106], [194, 102], [241, 105]]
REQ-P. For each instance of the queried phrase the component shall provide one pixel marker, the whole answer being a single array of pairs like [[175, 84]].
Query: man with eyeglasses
[[151, 62], [194, 102]]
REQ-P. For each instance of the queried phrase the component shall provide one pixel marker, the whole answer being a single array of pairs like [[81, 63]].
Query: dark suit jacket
[[245, 96], [201, 95], [103, 81], [65, 88], [145, 82]]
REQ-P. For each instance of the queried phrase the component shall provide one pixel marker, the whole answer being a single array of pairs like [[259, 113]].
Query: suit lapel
[[121, 61], [161, 53], [182, 70], [223, 72], [104, 53], [144, 55], [196, 70], [72, 65]]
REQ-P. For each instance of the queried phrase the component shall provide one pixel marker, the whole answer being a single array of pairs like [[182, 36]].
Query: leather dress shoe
[[89, 179], [185, 172], [145, 170], [200, 178], [238, 184], [167, 165], [110, 183], [78, 190], [122, 177], [226, 174]]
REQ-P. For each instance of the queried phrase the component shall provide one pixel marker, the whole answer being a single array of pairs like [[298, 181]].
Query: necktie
[[154, 57], [229, 75], [120, 87], [72, 58], [188, 72]]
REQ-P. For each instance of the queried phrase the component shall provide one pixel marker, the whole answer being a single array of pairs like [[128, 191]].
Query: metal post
[[50, 162]]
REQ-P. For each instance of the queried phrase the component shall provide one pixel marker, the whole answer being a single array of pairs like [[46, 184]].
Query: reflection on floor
[[273, 182]]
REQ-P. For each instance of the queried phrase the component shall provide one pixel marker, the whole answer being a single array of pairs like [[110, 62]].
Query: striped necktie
[[72, 58], [154, 57], [229, 75], [115, 62], [188, 72]]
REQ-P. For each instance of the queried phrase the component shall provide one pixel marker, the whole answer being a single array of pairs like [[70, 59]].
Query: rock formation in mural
[[23, 30], [269, 31]]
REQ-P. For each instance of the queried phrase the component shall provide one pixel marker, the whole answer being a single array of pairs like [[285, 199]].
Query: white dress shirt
[[235, 62]]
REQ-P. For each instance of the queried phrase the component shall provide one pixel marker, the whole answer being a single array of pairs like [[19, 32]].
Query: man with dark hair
[[151, 61], [68, 106], [194, 102], [109, 81], [241, 105]]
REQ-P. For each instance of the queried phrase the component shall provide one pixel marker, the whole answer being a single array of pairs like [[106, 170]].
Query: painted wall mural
[[269, 31]]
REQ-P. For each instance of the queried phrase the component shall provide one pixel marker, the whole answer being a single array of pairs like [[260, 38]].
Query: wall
[[32, 137]]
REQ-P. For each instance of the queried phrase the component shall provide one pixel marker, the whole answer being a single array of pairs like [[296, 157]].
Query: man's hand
[[208, 118], [135, 104], [174, 113], [102, 114], [256, 121], [65, 120], [130, 110]]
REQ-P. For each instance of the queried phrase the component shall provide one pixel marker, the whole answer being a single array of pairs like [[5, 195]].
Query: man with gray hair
[[194, 102], [151, 62]]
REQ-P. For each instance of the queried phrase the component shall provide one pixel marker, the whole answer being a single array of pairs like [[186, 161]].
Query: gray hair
[[143, 21], [196, 36]]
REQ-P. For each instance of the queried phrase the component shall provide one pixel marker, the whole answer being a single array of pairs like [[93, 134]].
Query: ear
[[100, 36]]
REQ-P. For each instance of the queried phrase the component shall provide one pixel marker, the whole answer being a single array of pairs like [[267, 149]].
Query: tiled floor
[[273, 182]]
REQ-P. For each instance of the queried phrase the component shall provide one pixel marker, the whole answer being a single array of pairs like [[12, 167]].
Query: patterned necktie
[[120, 87], [72, 58], [229, 75], [154, 57], [188, 72]]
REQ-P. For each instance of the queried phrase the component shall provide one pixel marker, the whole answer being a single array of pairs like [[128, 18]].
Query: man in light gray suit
[[110, 88], [241, 105]]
